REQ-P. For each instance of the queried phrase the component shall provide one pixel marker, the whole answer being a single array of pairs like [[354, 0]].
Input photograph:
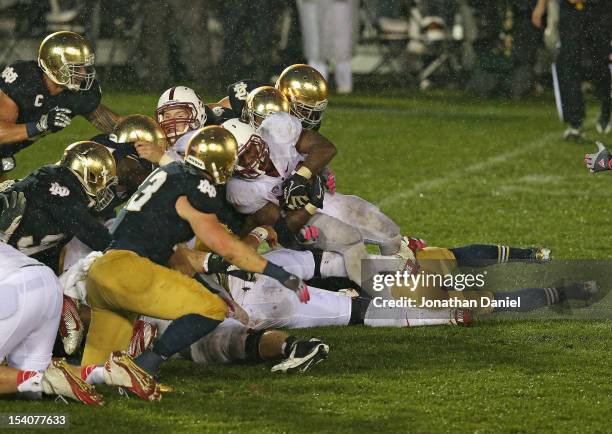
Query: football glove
[[288, 280], [215, 264], [12, 207], [316, 192], [598, 161], [308, 235], [298, 286], [295, 192], [329, 180], [57, 119]]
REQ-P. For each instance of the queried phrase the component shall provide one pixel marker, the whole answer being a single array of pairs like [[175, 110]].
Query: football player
[[303, 86], [61, 201], [175, 202], [38, 98], [132, 170]]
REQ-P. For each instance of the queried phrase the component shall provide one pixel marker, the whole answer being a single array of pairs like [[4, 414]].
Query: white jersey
[[180, 146], [281, 132], [11, 260], [248, 196]]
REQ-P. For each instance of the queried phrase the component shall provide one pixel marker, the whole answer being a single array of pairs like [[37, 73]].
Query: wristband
[[261, 234], [276, 272], [304, 172], [311, 209], [31, 129]]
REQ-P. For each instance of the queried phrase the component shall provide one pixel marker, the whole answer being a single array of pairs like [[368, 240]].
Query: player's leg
[[42, 300], [337, 236], [375, 227], [29, 317], [124, 281], [488, 254]]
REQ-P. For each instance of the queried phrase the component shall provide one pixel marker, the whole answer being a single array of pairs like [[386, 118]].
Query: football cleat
[[573, 134], [303, 354], [120, 370], [540, 255], [71, 326], [407, 252], [59, 379], [584, 291], [143, 336], [462, 317]]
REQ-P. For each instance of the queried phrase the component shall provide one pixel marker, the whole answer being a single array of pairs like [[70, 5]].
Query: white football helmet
[[180, 97], [248, 139]]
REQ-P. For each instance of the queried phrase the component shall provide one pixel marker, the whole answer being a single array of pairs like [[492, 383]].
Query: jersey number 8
[[146, 190]]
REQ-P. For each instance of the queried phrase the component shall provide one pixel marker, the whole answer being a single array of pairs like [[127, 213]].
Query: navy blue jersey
[[149, 224], [57, 208], [23, 82]]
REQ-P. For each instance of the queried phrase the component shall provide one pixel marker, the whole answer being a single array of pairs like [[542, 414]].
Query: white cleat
[[143, 336], [59, 379], [71, 326], [303, 355]]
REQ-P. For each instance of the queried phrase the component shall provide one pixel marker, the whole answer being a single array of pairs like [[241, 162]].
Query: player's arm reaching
[[103, 119], [11, 132], [208, 229], [318, 149]]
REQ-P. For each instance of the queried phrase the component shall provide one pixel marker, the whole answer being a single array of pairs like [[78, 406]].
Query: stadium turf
[[454, 171]]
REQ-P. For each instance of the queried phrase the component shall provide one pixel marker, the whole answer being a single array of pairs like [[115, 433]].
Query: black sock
[[528, 299], [181, 333], [359, 306], [475, 255], [317, 255]]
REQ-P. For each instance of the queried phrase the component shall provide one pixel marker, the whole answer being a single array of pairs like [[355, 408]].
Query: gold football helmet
[[213, 150], [133, 128], [94, 166], [68, 60], [262, 102], [306, 90]]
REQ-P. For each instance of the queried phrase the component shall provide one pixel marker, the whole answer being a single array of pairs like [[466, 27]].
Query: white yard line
[[420, 187]]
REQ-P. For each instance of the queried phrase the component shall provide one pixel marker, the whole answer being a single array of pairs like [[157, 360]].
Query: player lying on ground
[[174, 203]]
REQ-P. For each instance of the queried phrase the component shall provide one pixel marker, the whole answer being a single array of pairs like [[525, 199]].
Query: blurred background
[[484, 47]]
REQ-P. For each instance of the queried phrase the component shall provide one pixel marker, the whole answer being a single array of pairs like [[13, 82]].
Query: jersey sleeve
[[247, 197], [217, 115], [238, 92], [13, 79], [202, 194], [281, 132], [67, 204]]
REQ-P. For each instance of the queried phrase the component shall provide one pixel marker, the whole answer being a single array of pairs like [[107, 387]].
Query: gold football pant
[[122, 285], [438, 260]]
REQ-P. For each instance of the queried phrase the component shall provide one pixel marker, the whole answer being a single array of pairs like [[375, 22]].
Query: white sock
[[92, 374], [332, 265], [29, 381]]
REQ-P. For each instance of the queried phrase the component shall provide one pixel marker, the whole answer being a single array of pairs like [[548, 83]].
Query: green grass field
[[453, 171]]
